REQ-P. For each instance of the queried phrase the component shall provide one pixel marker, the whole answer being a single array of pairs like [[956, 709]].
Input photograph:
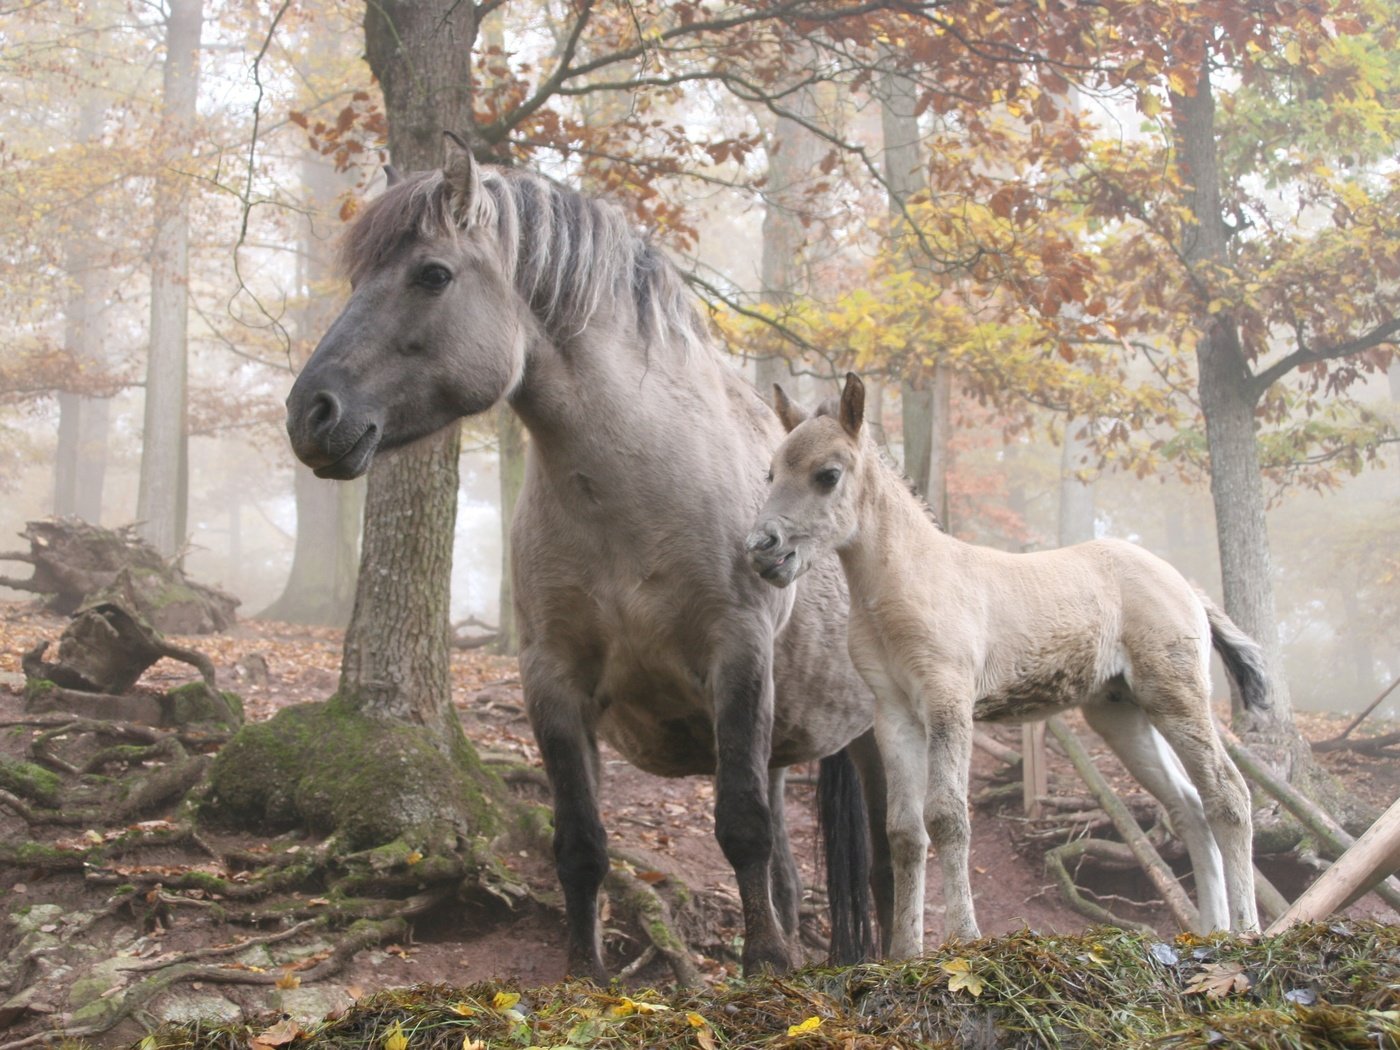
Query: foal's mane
[[566, 253]]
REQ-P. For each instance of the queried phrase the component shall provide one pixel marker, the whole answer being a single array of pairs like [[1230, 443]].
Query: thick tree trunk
[[1228, 400], [162, 497]]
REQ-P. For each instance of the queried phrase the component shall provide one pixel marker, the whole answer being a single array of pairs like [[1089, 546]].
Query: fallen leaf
[[396, 1040], [505, 1000], [809, 1025], [288, 980], [960, 976], [280, 1034], [1217, 980]]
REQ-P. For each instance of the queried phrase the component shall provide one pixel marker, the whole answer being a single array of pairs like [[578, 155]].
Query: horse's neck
[[893, 525], [602, 402]]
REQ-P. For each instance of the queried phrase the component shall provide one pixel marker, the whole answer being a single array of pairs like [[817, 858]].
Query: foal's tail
[[845, 837], [1244, 660]]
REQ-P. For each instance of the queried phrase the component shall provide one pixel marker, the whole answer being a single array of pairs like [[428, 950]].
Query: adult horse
[[640, 620]]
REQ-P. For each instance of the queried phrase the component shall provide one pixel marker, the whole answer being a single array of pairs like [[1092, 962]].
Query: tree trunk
[[80, 461], [924, 405], [793, 155], [397, 647], [1076, 513], [162, 497], [1228, 401]]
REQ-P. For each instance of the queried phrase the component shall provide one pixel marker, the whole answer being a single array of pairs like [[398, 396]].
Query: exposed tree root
[[1062, 858]]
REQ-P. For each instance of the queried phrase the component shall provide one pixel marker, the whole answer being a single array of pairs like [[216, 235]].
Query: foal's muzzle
[[770, 557]]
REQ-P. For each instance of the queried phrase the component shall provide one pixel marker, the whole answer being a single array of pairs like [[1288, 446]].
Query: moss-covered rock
[[326, 768], [195, 704]]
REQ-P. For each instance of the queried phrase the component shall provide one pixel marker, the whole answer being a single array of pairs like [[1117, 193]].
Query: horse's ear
[[461, 177], [852, 404], [789, 412], [391, 175]]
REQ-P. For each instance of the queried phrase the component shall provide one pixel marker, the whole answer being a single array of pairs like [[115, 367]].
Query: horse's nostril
[[763, 541], [324, 413]]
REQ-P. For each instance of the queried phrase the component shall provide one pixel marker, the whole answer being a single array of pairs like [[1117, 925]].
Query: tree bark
[[162, 497], [1076, 511], [1228, 401]]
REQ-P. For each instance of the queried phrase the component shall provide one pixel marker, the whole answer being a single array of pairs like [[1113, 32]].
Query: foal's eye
[[828, 478], [768, 477], [434, 277]]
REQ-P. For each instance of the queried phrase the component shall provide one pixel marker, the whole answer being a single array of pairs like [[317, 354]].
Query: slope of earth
[[68, 953]]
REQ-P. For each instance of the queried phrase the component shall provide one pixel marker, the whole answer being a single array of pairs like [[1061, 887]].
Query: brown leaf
[[280, 1034], [1217, 980]]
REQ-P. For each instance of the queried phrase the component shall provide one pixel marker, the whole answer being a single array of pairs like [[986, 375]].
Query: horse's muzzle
[[770, 557], [334, 443]]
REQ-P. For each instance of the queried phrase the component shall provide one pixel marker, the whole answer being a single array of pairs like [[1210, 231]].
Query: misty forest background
[[980, 207]]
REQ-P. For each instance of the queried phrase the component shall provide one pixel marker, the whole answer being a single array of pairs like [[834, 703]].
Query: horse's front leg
[[557, 707], [899, 732], [744, 825]]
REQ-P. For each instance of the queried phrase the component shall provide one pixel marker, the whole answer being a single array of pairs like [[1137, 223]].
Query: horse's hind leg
[[1129, 734], [570, 752], [787, 882], [865, 753], [1181, 713]]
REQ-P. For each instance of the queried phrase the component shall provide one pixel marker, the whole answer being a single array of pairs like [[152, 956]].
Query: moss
[[37, 687], [193, 703], [29, 781], [326, 768]]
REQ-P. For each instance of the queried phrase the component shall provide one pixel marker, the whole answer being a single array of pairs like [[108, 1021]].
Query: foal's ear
[[852, 404], [461, 177], [789, 412]]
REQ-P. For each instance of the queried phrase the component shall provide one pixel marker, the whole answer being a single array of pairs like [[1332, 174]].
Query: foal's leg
[[899, 730], [787, 882], [1128, 733], [744, 825], [556, 706], [1181, 713], [949, 743]]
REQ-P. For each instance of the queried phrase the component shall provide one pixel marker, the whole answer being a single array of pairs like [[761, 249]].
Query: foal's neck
[[892, 523]]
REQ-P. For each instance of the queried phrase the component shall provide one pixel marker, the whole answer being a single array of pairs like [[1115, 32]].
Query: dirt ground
[[667, 823]]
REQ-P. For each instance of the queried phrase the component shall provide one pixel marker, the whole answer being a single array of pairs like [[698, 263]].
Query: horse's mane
[[831, 406], [565, 252]]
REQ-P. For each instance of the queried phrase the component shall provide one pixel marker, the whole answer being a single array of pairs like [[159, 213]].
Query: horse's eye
[[434, 277], [828, 478]]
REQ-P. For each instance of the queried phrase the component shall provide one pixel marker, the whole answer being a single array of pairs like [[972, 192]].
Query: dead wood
[[1162, 877], [1340, 740], [75, 564]]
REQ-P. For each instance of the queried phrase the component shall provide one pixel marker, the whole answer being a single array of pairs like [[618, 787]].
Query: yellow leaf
[[960, 976], [696, 1021], [505, 1000], [414, 858], [396, 1040], [468, 1043], [288, 980], [809, 1025], [462, 1010]]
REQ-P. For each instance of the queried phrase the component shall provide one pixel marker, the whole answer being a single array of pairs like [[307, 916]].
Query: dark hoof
[[773, 958]]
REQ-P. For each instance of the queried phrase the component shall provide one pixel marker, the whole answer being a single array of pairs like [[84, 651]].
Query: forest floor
[[666, 823]]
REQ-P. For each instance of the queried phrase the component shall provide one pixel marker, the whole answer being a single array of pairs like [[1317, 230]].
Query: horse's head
[[814, 488], [434, 329]]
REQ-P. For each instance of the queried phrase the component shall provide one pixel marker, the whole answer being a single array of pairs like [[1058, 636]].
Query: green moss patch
[[327, 769], [194, 704], [1321, 986], [27, 780]]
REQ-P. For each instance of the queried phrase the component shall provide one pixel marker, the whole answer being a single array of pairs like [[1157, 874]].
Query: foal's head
[[815, 483], [434, 329]]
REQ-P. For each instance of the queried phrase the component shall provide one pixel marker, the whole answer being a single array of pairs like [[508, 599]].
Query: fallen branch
[[1058, 861], [1327, 831], [1162, 877], [1339, 740]]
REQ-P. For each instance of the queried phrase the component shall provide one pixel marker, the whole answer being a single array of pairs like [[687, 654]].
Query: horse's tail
[[845, 838], [1244, 660]]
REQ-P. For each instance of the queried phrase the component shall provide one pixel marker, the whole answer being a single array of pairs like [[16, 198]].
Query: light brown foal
[[945, 632]]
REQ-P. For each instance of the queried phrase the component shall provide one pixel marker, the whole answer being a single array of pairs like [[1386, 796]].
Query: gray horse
[[640, 620], [946, 632]]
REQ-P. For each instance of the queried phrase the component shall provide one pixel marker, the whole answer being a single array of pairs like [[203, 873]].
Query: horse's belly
[[659, 732]]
